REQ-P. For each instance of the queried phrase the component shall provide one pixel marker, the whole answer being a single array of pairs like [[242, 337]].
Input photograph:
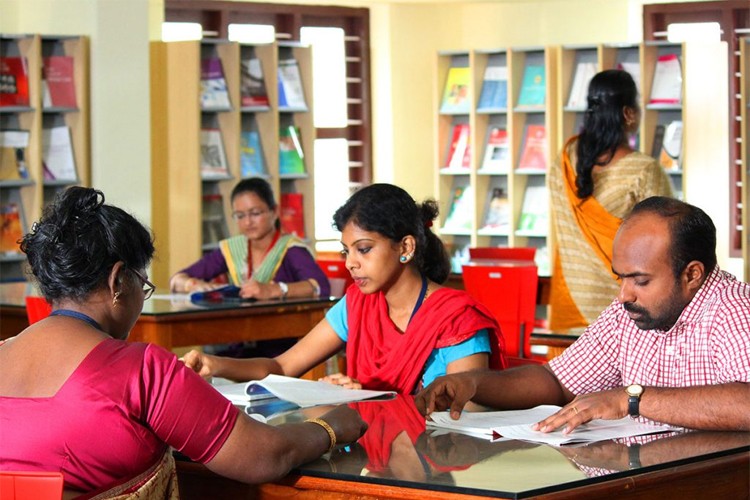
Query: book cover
[[494, 94], [459, 156], [498, 211], [496, 154], [534, 152], [214, 93], [213, 157], [579, 89], [291, 92], [14, 82], [213, 222], [292, 215], [534, 217], [667, 85], [10, 228], [671, 146], [291, 156], [252, 162], [460, 213], [658, 141], [533, 90], [58, 84], [57, 154], [13, 144], [252, 85], [456, 92], [634, 68]]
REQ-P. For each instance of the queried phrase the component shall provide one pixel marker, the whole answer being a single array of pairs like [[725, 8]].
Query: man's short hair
[[692, 232]]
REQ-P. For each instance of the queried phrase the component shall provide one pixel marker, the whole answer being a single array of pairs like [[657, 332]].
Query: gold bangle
[[329, 430]]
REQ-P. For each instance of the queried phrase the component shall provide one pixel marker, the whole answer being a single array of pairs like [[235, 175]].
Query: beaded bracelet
[[329, 430]]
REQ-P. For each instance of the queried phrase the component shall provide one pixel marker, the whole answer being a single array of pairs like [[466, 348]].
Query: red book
[[14, 82], [59, 84], [534, 155], [459, 155], [292, 214], [10, 228]]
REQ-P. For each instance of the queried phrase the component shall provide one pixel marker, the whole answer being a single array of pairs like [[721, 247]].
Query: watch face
[[634, 390]]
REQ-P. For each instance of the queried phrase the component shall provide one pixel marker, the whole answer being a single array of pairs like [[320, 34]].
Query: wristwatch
[[634, 392], [284, 289]]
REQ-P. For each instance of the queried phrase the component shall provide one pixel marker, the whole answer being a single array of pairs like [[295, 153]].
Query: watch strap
[[634, 406]]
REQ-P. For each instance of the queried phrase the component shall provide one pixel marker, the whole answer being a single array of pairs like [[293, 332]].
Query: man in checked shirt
[[674, 347]]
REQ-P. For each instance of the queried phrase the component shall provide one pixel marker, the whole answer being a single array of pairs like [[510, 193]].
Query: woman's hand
[[252, 289], [346, 424], [342, 380], [200, 363]]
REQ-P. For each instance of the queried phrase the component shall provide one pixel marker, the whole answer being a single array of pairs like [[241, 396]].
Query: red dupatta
[[383, 358]]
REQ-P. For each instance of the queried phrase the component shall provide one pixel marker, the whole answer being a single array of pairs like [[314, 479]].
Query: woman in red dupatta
[[401, 328]]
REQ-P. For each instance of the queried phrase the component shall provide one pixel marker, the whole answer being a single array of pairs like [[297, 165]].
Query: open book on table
[[303, 393], [516, 424]]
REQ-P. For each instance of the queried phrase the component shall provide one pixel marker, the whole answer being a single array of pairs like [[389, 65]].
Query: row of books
[[215, 227], [58, 158], [667, 148], [533, 220], [666, 87], [252, 161], [253, 91], [58, 82]]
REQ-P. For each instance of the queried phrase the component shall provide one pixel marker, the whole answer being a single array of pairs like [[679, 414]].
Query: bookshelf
[[177, 118], [573, 64], [474, 177], [30, 193], [745, 137]]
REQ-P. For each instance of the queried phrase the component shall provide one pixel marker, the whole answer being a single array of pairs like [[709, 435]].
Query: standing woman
[[596, 181], [400, 326]]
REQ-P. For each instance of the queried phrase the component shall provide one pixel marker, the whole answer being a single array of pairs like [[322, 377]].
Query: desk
[[399, 459]]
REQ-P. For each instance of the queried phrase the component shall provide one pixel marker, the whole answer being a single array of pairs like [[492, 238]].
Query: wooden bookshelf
[[31, 194]]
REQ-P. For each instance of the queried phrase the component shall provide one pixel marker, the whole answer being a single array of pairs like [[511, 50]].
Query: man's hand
[[608, 405], [447, 392], [200, 363]]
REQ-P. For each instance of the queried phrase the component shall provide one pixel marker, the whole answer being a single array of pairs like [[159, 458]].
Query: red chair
[[504, 253], [37, 308], [338, 275], [31, 485], [508, 289]]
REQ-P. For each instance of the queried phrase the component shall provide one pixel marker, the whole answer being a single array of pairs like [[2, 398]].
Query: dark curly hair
[[72, 248], [390, 211], [603, 130]]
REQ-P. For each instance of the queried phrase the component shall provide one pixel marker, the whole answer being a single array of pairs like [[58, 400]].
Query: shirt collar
[[698, 305]]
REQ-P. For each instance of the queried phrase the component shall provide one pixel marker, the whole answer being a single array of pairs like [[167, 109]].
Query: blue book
[[494, 93], [252, 163], [533, 87]]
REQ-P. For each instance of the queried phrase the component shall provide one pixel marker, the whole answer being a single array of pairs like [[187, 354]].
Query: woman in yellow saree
[[596, 181]]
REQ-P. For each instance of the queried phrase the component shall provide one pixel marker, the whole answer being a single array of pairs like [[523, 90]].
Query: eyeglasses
[[148, 287], [253, 214]]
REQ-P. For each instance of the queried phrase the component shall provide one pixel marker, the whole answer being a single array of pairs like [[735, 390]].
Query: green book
[[291, 156], [532, 87]]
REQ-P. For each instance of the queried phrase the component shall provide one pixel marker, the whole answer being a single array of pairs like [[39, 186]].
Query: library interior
[[168, 107]]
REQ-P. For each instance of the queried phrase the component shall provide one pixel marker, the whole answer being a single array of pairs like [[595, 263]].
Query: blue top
[[437, 362]]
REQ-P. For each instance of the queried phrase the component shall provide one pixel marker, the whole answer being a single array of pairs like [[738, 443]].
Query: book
[[291, 214], [516, 424], [213, 157], [667, 84], [14, 81], [10, 228], [214, 93], [221, 295], [533, 90], [461, 209], [58, 159], [13, 144], [267, 409], [252, 85], [579, 89], [291, 92], [291, 156], [534, 152], [534, 218], [498, 211], [303, 393], [656, 144], [252, 162], [496, 153], [634, 68], [459, 155], [671, 146], [213, 221], [494, 94], [58, 84], [456, 92]]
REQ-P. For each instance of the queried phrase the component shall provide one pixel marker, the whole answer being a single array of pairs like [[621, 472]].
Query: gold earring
[[115, 298]]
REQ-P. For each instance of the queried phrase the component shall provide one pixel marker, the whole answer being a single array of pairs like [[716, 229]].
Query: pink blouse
[[114, 417]]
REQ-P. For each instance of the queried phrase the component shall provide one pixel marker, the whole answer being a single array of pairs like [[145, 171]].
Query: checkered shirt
[[708, 345]]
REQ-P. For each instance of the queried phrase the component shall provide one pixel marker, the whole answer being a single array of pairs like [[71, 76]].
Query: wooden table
[[453, 466]]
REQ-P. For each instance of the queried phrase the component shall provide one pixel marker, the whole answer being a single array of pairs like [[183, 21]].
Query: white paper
[[517, 425], [57, 152]]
